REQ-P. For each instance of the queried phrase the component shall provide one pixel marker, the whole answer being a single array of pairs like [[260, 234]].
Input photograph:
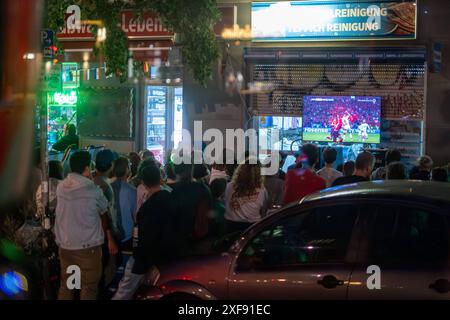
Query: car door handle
[[441, 286], [330, 282]]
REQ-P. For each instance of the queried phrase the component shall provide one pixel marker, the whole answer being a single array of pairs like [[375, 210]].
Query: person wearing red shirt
[[303, 180], [336, 125]]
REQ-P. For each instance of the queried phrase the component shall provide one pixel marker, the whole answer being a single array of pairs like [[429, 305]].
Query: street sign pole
[[46, 45], [47, 82]]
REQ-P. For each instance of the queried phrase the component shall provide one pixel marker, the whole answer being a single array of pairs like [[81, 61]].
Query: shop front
[[348, 74], [145, 112], [114, 114]]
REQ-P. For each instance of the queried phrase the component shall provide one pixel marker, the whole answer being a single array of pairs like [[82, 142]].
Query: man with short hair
[[328, 172], [80, 227], [392, 155], [124, 202], [103, 166], [302, 180], [363, 168]]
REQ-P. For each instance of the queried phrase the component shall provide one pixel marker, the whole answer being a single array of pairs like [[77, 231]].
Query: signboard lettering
[[147, 27]]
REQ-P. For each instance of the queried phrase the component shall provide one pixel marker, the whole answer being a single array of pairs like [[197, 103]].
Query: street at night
[[249, 151]]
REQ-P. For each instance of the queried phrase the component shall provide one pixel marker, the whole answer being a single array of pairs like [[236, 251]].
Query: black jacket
[[348, 180], [66, 141], [155, 232]]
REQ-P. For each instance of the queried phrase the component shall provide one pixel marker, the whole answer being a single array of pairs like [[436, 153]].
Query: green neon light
[[65, 98]]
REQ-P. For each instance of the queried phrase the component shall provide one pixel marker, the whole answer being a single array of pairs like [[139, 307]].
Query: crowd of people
[[116, 206]]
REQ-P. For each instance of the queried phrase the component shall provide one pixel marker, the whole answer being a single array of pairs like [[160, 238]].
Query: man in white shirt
[[328, 172], [80, 226]]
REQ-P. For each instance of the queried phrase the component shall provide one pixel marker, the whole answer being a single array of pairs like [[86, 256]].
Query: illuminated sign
[[64, 98], [149, 26], [237, 32], [331, 20]]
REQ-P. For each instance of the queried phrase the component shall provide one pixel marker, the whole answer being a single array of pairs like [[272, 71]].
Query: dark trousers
[[111, 264]]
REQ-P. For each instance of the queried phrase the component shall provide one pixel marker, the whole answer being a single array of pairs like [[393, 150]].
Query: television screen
[[342, 119], [289, 131]]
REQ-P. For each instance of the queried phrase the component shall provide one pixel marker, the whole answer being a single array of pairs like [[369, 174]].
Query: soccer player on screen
[[336, 125], [362, 131], [346, 118]]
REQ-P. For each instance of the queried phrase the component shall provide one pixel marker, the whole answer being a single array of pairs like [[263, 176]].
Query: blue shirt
[[125, 197]]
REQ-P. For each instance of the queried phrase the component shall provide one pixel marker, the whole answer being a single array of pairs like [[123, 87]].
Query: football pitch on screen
[[318, 136]]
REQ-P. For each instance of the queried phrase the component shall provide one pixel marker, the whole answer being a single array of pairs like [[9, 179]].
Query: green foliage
[[191, 20]]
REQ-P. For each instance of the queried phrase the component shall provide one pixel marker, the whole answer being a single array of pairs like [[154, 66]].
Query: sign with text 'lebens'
[[333, 20], [149, 26]]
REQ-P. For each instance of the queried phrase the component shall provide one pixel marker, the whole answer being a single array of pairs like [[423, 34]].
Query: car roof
[[391, 188]]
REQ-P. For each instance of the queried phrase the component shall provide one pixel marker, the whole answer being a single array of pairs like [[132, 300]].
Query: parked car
[[321, 248]]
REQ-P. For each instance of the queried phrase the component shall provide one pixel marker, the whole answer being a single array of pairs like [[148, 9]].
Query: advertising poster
[[332, 20]]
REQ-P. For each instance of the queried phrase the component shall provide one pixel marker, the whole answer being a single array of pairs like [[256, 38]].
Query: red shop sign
[[150, 26]]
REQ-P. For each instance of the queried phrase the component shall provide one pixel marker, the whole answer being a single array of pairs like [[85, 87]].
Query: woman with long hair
[[246, 198]]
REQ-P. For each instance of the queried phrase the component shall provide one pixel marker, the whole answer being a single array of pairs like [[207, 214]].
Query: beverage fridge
[[164, 119]]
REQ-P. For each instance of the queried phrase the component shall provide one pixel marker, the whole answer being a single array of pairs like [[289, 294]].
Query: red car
[[335, 244]]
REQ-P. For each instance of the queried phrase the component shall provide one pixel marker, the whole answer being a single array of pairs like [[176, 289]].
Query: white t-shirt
[[329, 174], [245, 209]]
